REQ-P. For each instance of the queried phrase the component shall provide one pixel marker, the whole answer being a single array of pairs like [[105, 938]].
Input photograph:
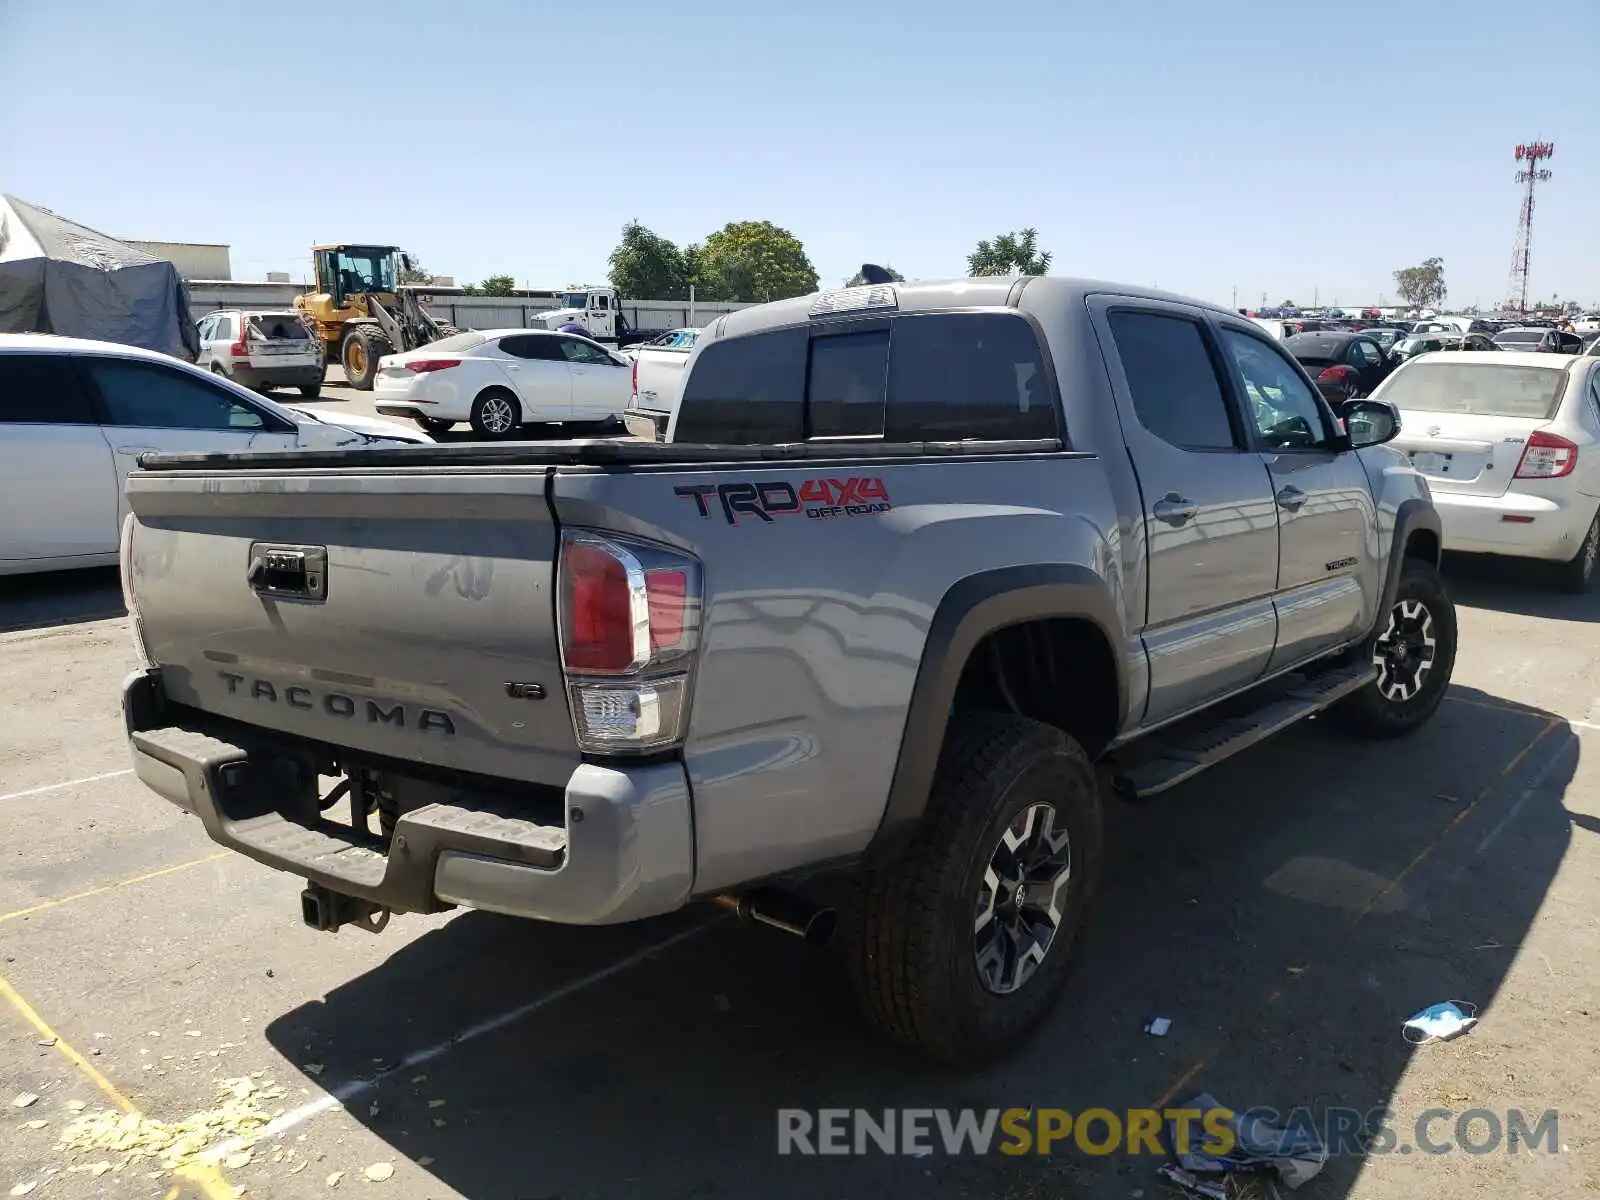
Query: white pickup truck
[[658, 370]]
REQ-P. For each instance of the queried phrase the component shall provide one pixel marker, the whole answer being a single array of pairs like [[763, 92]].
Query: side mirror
[[1369, 422]]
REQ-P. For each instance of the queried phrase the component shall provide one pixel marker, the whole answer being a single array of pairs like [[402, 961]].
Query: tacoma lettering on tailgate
[[818, 499], [337, 704]]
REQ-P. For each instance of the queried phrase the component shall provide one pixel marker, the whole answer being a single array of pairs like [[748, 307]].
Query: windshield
[[575, 300], [1478, 388], [365, 270]]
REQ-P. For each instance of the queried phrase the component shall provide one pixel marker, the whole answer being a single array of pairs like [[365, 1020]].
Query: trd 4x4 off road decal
[[818, 499]]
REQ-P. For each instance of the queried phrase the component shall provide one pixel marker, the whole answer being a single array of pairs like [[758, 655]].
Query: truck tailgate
[[433, 639]]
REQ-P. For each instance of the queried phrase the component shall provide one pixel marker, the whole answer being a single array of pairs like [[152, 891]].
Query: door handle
[[1175, 510], [1291, 497]]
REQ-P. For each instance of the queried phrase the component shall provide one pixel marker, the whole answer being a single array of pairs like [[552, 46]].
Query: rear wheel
[[363, 346], [434, 425], [311, 390], [1414, 650], [495, 414], [961, 943], [1577, 573]]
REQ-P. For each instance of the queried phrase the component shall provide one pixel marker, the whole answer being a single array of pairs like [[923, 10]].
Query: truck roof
[[938, 295]]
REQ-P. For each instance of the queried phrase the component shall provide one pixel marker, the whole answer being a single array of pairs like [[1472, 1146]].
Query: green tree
[[1422, 286], [646, 266], [415, 273], [1288, 304], [752, 260], [1010, 254], [498, 285], [856, 280]]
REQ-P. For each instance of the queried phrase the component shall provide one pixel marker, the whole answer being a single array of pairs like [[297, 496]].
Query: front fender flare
[[973, 608], [1413, 515]]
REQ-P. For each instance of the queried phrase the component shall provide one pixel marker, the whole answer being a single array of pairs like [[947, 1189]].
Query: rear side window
[[968, 375], [1175, 387], [526, 346], [41, 389], [935, 377]]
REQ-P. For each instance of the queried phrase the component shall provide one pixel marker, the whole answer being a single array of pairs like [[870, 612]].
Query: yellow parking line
[[1200, 1063], [45, 905], [204, 1177]]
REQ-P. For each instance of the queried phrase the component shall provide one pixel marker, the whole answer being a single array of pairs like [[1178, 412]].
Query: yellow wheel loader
[[361, 311]]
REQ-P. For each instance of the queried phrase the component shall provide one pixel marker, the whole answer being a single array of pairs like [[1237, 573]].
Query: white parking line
[[346, 1092], [55, 787]]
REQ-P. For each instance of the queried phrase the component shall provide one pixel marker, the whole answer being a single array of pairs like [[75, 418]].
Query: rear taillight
[[1335, 375], [636, 374], [1547, 456], [129, 600], [629, 618], [422, 366], [239, 349]]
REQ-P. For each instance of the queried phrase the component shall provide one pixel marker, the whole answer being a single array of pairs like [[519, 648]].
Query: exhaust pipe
[[325, 910], [778, 910]]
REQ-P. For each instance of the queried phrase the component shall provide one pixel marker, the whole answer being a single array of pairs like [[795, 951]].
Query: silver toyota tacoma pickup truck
[[924, 576]]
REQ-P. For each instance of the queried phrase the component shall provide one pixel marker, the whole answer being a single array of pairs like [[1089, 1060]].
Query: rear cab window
[[907, 378]]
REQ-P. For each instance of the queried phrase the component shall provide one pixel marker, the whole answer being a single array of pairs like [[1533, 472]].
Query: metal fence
[[488, 312]]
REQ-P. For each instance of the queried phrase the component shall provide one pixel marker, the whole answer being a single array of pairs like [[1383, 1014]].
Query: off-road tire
[[435, 426], [311, 390], [372, 346], [1576, 575], [483, 405], [1368, 713], [908, 928]]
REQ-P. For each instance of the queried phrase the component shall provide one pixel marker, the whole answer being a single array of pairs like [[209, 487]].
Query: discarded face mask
[[1294, 1155], [1440, 1022]]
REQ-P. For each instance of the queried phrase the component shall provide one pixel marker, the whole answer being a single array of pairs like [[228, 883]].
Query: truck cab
[[594, 308]]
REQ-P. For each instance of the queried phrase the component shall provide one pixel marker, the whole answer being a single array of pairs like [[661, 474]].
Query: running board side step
[[1290, 699]]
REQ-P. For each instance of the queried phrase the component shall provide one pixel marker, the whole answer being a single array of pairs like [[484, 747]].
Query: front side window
[[150, 396], [1284, 410], [1176, 392], [583, 353]]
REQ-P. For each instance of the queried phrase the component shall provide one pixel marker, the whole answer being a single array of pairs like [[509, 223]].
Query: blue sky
[[1282, 148]]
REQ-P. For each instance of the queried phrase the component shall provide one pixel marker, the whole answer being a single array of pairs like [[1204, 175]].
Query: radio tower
[[1532, 154]]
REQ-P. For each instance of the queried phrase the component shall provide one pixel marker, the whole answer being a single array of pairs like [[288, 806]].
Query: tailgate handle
[[288, 572]]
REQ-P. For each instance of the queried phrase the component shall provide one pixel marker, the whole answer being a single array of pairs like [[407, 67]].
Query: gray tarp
[[60, 277]]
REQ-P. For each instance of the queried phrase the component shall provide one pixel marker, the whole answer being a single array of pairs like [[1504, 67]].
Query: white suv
[[262, 350]]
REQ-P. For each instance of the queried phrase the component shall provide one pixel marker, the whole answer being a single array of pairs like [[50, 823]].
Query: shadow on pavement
[[59, 598], [1287, 911], [1514, 586]]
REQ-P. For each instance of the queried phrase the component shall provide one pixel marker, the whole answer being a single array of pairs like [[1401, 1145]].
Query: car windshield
[[457, 343], [1477, 388], [575, 300]]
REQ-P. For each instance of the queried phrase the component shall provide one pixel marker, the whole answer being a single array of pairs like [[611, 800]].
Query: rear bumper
[[620, 846], [301, 375], [1550, 528], [643, 423]]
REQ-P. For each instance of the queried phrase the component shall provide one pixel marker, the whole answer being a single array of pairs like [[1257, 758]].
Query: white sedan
[[75, 416], [501, 379], [1510, 446]]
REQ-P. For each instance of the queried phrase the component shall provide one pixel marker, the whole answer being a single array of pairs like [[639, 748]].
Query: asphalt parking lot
[[1287, 911]]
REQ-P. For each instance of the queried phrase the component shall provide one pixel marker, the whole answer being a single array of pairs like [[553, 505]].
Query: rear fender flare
[[973, 608]]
